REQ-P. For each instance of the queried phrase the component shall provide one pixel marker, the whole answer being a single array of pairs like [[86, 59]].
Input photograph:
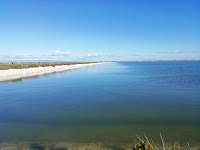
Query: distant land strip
[[13, 70], [151, 60]]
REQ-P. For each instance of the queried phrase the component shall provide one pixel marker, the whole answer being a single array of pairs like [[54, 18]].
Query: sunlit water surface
[[108, 103]]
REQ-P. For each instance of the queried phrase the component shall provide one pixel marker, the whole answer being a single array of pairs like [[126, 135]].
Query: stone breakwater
[[12, 74]]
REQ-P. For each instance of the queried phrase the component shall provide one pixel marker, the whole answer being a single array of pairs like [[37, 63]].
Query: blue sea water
[[108, 103]]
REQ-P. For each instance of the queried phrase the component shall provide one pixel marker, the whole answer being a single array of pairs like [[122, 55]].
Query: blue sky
[[93, 30]]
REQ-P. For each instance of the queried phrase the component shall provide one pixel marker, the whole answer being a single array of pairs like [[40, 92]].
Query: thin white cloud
[[60, 53], [177, 51], [55, 55], [92, 55], [135, 55], [174, 51], [17, 57]]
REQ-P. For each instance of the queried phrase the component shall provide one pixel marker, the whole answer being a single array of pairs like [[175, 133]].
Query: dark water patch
[[37, 147]]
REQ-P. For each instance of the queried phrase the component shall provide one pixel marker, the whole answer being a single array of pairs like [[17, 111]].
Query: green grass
[[15, 65]]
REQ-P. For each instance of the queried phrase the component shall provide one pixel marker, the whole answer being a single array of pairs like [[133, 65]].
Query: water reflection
[[33, 77], [17, 80]]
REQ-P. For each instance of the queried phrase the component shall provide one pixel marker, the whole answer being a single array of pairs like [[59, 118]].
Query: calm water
[[109, 103]]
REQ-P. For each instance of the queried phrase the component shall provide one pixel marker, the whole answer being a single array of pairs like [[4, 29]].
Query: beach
[[12, 74]]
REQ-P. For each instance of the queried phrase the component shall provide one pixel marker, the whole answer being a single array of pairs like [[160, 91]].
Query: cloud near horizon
[[92, 55], [55, 55], [177, 51], [95, 54], [60, 53], [174, 51]]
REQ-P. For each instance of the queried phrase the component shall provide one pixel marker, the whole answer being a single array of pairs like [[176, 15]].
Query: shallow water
[[108, 103]]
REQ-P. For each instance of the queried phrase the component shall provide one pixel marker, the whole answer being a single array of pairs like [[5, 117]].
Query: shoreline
[[63, 145], [13, 74]]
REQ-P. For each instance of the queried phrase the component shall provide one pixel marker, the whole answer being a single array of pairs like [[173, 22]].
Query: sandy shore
[[63, 146], [12, 74]]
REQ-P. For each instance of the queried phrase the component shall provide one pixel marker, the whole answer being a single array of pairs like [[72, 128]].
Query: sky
[[99, 30]]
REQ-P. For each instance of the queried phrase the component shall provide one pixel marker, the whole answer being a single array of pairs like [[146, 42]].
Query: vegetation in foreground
[[15, 65], [140, 144], [149, 145]]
